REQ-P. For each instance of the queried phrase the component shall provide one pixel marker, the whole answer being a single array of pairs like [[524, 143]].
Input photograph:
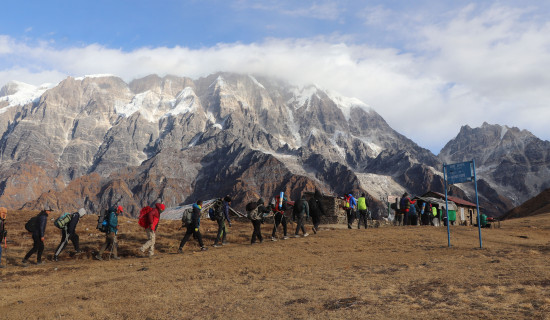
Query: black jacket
[[315, 205], [72, 224], [40, 229]]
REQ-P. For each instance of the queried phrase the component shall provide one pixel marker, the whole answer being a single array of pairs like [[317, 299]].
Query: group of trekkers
[[257, 212], [416, 212], [356, 209]]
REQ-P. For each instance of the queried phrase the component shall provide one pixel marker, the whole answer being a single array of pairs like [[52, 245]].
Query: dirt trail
[[381, 273]]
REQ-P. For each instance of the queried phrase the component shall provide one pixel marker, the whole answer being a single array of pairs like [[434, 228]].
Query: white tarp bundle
[[175, 213]]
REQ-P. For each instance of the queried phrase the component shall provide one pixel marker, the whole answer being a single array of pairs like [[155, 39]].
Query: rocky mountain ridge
[[96, 141], [510, 160]]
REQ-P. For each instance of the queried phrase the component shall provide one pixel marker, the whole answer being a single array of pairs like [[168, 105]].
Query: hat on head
[[81, 212], [119, 208], [160, 206]]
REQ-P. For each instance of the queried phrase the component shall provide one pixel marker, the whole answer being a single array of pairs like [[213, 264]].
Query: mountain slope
[[513, 162], [178, 140]]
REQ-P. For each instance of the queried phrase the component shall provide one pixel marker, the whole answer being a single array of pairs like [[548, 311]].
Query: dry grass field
[[380, 273]]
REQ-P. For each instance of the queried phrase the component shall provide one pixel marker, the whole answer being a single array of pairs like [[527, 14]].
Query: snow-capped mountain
[[96, 140]]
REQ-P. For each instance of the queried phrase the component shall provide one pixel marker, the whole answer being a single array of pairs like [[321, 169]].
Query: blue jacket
[[412, 210], [226, 211], [352, 202], [196, 217]]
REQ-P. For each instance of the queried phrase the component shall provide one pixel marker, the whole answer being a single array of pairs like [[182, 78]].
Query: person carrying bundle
[[67, 223]]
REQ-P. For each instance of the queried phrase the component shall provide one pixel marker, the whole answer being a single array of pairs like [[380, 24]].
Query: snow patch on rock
[[17, 93]]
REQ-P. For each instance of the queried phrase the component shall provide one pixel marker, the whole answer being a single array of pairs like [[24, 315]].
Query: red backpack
[[143, 220]]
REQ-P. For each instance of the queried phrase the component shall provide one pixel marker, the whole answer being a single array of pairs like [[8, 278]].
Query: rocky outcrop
[[513, 163]]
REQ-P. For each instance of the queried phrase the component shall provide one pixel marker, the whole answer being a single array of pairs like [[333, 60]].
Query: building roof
[[456, 200]]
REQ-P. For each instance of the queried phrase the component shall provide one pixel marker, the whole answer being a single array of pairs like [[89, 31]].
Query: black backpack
[[103, 221], [215, 212], [3, 231], [31, 225]]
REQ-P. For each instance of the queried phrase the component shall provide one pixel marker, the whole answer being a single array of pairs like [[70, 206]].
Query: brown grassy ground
[[383, 273]]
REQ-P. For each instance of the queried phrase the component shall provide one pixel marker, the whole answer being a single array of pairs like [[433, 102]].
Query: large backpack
[[32, 224], [254, 214], [143, 222], [187, 217], [63, 220], [103, 220], [215, 212]]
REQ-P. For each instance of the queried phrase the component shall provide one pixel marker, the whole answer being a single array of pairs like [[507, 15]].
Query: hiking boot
[[224, 243], [55, 258], [39, 263], [25, 262], [285, 237], [116, 258], [314, 230], [180, 250], [306, 234], [216, 245], [273, 239], [98, 257], [204, 248], [296, 236]]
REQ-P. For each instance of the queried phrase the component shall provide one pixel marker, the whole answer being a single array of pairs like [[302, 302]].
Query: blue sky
[[428, 67]]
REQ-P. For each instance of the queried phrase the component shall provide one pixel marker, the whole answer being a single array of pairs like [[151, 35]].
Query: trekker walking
[[279, 217], [3, 231], [38, 236], [256, 212], [193, 228], [69, 233], [362, 209], [316, 210], [299, 213], [111, 233], [349, 206], [150, 221], [220, 219]]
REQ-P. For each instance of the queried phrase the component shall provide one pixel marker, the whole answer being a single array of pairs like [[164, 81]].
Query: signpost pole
[[477, 204], [447, 205]]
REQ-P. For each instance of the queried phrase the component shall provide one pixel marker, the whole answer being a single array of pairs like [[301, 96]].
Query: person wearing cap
[[110, 236], [220, 219], [69, 233], [152, 220], [38, 236], [3, 232]]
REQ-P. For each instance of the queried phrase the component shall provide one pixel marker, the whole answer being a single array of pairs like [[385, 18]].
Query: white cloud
[[481, 66]]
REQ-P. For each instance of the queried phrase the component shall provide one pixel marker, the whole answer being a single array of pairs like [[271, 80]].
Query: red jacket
[[153, 216]]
